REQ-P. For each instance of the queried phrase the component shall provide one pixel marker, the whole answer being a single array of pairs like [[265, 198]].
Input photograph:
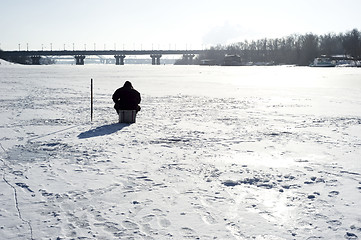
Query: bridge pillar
[[79, 59], [153, 58], [119, 59], [188, 58], [35, 60], [156, 59]]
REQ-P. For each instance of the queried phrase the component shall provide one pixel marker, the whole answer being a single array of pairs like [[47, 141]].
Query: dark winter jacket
[[126, 98]]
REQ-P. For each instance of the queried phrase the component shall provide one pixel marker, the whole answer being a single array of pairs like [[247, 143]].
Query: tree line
[[294, 49]]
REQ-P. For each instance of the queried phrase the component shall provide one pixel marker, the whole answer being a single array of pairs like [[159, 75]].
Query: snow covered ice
[[215, 153]]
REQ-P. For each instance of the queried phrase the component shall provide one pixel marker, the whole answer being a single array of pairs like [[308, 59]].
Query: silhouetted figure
[[126, 98]]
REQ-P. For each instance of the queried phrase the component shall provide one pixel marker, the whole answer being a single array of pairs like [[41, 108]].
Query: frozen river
[[216, 153]]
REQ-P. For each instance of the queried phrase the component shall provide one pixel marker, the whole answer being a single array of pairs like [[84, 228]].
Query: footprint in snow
[[148, 218], [111, 227], [350, 236], [164, 222], [24, 186], [130, 225], [209, 219], [188, 232], [333, 193], [334, 224]]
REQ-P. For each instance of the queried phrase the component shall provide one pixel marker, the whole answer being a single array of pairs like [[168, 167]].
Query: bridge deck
[[98, 52]]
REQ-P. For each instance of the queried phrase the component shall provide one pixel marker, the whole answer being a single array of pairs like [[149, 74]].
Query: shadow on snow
[[103, 130]]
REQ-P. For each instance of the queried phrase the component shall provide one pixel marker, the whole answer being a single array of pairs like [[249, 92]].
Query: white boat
[[348, 63], [323, 62]]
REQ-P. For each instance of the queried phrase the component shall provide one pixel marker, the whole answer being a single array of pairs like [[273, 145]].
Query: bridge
[[119, 55]]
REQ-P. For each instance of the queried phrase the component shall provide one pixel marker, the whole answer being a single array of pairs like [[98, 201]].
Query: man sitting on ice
[[126, 98]]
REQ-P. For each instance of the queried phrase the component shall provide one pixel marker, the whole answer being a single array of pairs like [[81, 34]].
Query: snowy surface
[[3, 62], [216, 153]]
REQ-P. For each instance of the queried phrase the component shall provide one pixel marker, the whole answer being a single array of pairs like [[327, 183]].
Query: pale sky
[[165, 24]]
